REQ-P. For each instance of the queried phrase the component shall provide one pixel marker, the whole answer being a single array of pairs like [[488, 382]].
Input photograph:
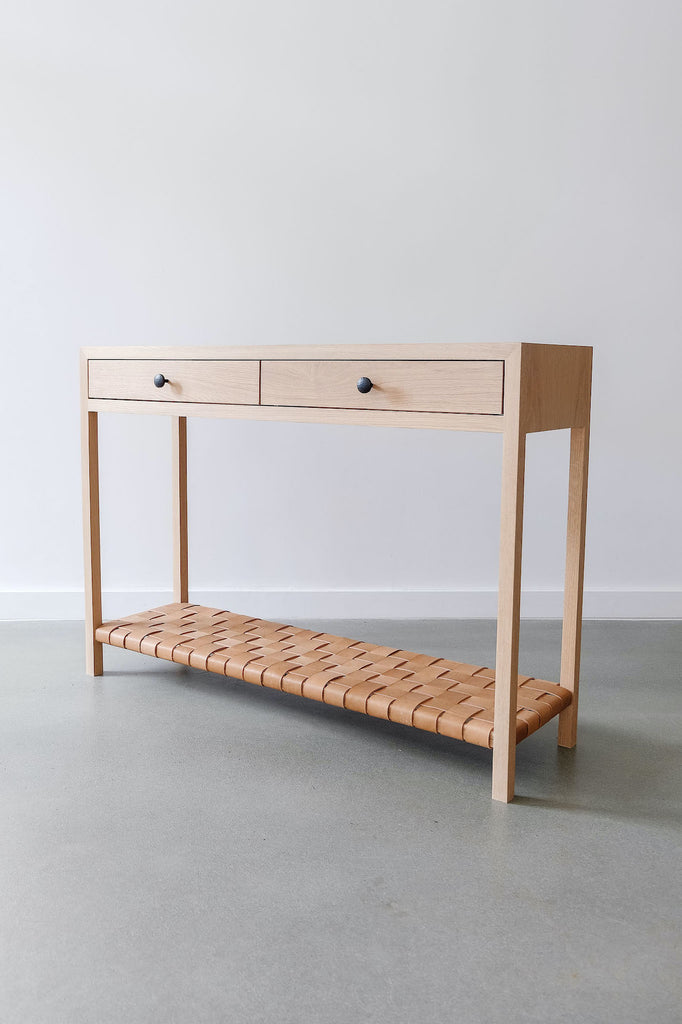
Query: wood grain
[[571, 637], [277, 413], [509, 595], [456, 350], [555, 388], [91, 529], [179, 485], [201, 380], [445, 386]]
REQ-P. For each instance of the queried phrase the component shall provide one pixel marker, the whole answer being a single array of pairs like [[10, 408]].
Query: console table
[[508, 389]]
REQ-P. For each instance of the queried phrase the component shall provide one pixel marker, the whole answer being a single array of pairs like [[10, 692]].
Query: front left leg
[[508, 616]]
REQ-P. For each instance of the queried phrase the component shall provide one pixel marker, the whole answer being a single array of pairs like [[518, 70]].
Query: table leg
[[573, 584], [91, 540], [180, 552], [508, 616]]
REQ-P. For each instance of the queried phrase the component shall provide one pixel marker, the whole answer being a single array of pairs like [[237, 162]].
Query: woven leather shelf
[[415, 689]]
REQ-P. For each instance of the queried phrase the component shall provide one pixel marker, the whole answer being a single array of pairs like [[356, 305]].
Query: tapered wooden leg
[[93, 572], [508, 616], [180, 561], [573, 584]]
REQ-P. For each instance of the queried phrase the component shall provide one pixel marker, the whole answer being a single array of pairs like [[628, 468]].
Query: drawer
[[454, 385], [219, 381]]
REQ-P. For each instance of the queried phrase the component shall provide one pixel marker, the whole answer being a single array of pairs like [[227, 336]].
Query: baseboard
[[352, 604]]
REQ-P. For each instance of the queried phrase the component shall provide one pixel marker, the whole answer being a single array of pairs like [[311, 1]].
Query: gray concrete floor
[[177, 847]]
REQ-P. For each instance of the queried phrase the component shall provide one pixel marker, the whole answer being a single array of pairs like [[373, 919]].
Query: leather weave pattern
[[429, 693]]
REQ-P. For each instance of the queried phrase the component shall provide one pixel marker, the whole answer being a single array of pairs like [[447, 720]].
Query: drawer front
[[456, 386], [218, 381]]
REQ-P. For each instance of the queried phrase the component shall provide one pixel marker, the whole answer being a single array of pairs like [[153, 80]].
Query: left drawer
[[217, 381]]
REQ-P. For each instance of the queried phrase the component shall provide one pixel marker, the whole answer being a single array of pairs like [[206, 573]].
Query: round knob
[[160, 380], [364, 385]]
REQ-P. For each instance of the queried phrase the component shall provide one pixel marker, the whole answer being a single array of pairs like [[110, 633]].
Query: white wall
[[306, 172]]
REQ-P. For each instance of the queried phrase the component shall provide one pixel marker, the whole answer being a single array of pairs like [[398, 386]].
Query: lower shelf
[[415, 689]]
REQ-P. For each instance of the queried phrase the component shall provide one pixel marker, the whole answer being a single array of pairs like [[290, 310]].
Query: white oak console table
[[509, 389]]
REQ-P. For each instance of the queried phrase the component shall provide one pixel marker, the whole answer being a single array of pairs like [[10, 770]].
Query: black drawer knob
[[364, 385], [160, 380]]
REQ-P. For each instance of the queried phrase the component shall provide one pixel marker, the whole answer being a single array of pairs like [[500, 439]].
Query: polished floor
[[184, 849]]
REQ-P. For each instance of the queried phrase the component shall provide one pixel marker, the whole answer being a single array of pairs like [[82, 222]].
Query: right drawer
[[405, 385]]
